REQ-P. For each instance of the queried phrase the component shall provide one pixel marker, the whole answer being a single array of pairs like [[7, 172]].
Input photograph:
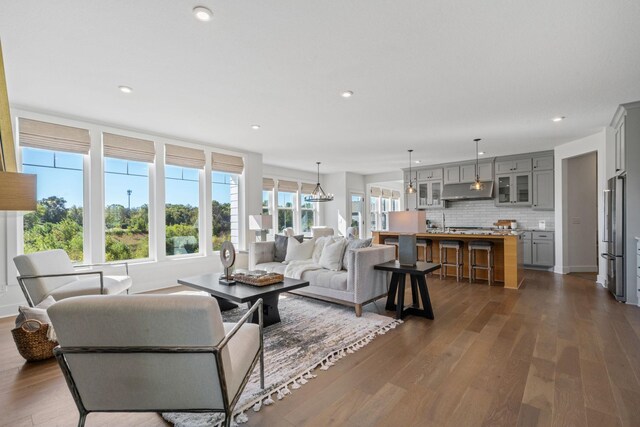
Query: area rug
[[312, 336]]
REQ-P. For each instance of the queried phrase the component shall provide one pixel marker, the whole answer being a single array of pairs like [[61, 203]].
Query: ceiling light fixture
[[202, 13], [125, 89], [418, 161], [318, 194], [558, 119], [410, 188], [477, 185], [481, 153], [347, 94], [255, 127]]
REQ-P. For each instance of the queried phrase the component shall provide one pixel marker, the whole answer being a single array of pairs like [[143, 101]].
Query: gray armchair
[[51, 273], [155, 353]]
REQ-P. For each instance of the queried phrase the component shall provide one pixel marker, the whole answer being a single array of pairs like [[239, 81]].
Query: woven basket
[[33, 345], [263, 280]]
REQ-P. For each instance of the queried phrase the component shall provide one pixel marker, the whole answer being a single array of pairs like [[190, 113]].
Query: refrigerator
[[614, 236]]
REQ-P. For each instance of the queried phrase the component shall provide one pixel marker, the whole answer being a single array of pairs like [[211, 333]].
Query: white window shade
[[268, 184], [287, 186], [386, 193], [50, 136], [184, 156], [376, 192], [395, 194], [307, 188], [227, 163], [128, 148]]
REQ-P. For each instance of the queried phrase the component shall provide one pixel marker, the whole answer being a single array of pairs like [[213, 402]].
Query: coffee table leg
[[391, 296], [400, 305], [270, 311], [424, 293], [414, 291], [225, 305]]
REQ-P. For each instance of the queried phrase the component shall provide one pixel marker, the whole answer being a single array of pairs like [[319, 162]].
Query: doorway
[[357, 214]]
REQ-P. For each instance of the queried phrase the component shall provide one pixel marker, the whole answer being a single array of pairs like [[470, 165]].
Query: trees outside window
[[224, 208], [57, 222], [286, 204], [181, 210], [307, 215]]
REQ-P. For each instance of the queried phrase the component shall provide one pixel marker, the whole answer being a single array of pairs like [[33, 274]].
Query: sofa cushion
[[332, 254], [297, 251], [318, 247], [351, 245], [91, 286], [281, 246], [272, 267], [327, 279]]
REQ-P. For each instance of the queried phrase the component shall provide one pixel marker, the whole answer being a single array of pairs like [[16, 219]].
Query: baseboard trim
[[582, 268]]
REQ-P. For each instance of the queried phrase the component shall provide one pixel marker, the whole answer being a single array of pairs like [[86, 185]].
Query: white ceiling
[[427, 75]]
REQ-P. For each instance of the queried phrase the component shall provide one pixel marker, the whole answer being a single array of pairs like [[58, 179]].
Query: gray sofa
[[355, 286]]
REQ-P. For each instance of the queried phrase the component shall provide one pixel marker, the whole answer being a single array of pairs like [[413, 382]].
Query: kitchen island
[[507, 252]]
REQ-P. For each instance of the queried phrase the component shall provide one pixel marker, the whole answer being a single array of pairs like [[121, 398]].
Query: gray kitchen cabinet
[[543, 163], [467, 173], [514, 189], [430, 194], [542, 253], [452, 175], [424, 174], [513, 165], [486, 171], [526, 239], [543, 190]]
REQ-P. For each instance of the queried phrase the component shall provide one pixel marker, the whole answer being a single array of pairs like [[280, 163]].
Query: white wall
[[278, 172], [336, 213], [598, 143], [581, 221]]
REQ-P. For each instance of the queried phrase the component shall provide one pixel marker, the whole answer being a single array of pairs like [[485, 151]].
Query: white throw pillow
[[319, 246], [39, 313], [332, 254], [297, 251]]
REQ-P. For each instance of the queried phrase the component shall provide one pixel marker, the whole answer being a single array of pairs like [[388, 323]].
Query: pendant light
[[318, 194], [410, 188], [477, 185]]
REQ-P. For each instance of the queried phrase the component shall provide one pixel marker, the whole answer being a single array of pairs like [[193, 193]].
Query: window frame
[[201, 226], [315, 208], [237, 185], [295, 212]]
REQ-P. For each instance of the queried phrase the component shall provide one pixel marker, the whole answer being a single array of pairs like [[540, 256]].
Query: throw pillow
[[332, 254], [317, 250], [39, 312], [281, 247], [351, 245], [297, 251]]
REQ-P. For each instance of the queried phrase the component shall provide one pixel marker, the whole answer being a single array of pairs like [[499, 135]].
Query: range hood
[[463, 192]]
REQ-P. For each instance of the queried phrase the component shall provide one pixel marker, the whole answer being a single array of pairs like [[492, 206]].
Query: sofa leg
[[358, 310]]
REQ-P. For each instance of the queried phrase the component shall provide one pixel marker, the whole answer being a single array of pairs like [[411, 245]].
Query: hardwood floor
[[558, 352]]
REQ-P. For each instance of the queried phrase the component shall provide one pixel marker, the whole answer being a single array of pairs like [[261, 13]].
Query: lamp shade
[[260, 222], [408, 221]]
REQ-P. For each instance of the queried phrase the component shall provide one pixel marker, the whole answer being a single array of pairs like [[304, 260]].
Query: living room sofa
[[357, 285]]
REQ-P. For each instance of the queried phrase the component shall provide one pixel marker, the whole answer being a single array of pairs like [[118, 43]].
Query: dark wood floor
[[558, 352]]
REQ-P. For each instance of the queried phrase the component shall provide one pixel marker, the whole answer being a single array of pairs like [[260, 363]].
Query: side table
[[418, 287]]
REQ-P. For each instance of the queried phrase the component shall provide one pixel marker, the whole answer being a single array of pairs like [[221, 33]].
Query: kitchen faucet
[[443, 222]]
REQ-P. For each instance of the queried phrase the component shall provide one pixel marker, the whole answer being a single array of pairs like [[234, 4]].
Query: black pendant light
[[318, 194], [410, 188], [477, 185]]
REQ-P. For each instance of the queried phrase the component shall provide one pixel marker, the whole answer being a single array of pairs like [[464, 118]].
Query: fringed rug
[[312, 335]]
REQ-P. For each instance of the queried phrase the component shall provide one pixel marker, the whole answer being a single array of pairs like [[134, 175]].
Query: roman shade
[[307, 188], [287, 186], [395, 194], [268, 184], [376, 192], [50, 136], [227, 163], [183, 156], [386, 193], [128, 148]]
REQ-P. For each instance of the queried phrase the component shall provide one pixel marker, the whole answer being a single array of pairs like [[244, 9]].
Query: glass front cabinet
[[430, 194], [514, 189]]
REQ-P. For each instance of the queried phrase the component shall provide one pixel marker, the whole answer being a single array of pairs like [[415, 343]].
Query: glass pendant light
[[477, 185], [410, 188], [318, 194]]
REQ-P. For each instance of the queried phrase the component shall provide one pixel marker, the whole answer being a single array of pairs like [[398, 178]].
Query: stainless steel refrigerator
[[614, 236]]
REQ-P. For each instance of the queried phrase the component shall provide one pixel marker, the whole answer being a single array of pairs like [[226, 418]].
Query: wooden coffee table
[[242, 293]]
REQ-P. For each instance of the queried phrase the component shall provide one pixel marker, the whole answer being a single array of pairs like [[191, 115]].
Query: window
[[57, 222], [224, 208], [181, 211], [374, 203], [307, 215], [395, 204], [385, 205], [126, 217], [266, 202], [357, 214], [286, 203]]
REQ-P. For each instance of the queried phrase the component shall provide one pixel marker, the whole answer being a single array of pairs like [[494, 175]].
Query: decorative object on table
[[407, 249], [296, 350], [318, 194], [261, 224], [258, 278], [410, 188], [504, 223], [33, 344], [228, 258], [17, 190], [477, 185]]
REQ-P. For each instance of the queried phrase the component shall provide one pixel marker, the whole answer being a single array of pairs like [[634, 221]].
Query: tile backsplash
[[484, 213]]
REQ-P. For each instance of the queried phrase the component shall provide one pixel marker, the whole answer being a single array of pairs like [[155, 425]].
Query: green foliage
[[221, 218]]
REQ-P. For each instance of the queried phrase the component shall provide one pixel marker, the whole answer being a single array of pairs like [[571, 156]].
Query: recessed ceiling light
[[202, 13], [418, 161], [558, 119], [125, 89], [255, 127], [347, 94], [481, 153]]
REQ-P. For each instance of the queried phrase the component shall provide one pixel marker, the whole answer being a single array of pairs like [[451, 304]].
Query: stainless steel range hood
[[464, 192]]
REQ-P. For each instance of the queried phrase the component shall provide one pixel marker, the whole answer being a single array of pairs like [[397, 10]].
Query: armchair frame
[[215, 351]]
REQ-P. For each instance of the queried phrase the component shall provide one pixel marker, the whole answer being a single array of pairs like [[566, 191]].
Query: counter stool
[[392, 241], [426, 244], [480, 245], [458, 245]]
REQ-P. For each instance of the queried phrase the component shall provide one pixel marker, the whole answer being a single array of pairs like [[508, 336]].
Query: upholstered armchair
[[51, 273], [155, 353]]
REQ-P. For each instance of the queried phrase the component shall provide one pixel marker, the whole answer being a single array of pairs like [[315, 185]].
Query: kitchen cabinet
[[430, 194], [514, 165], [429, 174], [526, 239], [543, 190], [542, 253], [514, 189], [464, 173], [543, 163], [620, 145], [452, 175], [467, 173], [486, 171]]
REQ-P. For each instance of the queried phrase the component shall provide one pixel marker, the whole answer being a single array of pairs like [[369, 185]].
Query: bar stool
[[480, 245], [458, 245], [392, 241], [426, 244]]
